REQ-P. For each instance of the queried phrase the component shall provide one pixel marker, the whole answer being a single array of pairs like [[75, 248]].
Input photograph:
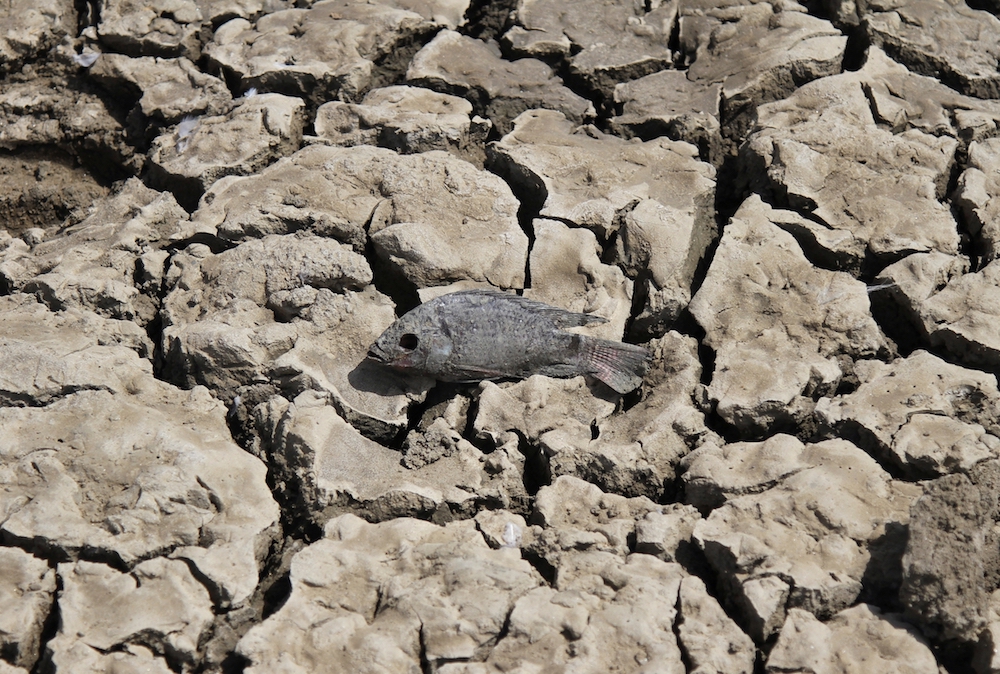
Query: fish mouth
[[375, 355]]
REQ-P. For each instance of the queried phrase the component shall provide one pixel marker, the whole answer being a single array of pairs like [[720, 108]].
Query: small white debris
[[250, 93], [187, 127], [33, 236], [881, 286], [86, 59], [235, 407], [826, 295], [184, 132], [511, 536]]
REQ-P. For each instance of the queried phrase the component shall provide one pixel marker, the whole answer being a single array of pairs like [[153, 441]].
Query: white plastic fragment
[[86, 59], [184, 132], [881, 286], [511, 536]]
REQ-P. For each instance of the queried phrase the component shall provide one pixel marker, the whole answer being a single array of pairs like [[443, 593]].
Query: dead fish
[[473, 335]]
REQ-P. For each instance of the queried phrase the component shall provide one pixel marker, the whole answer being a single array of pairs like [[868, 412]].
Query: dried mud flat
[[210, 208]]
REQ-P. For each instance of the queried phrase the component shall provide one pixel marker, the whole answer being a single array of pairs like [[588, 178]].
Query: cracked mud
[[209, 209]]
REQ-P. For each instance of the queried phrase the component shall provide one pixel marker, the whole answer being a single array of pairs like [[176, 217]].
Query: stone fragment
[[843, 13], [539, 405], [667, 533], [959, 318], [952, 42], [656, 195], [945, 444], [105, 460], [27, 589], [217, 12], [385, 597], [296, 311], [265, 270], [668, 104], [762, 296], [589, 621], [435, 441], [541, 27], [821, 151], [762, 605], [901, 99], [903, 287], [948, 595], [322, 52], [479, 239], [712, 641], [329, 468], [503, 529], [857, 639], [978, 197], [773, 553], [93, 263], [924, 415], [164, 89], [294, 194], [199, 151], [757, 52], [406, 119], [500, 90], [31, 28], [159, 606], [49, 355], [604, 43], [714, 474], [450, 14], [206, 500], [566, 271], [920, 276], [422, 211], [167, 29], [46, 111], [697, 19], [576, 515]]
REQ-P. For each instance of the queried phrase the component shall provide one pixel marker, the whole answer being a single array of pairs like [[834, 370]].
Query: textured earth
[[209, 209]]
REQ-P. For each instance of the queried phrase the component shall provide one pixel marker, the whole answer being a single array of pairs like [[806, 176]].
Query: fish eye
[[408, 341]]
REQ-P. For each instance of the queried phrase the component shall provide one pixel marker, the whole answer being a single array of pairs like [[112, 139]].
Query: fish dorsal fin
[[561, 318]]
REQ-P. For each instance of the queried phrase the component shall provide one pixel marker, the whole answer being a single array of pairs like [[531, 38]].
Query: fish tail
[[621, 366]]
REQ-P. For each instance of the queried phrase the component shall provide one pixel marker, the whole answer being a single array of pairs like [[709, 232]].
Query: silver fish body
[[482, 334]]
